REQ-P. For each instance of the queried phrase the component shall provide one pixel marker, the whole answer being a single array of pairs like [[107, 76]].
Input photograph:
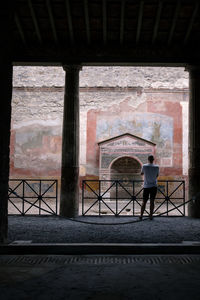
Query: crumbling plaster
[[38, 103]]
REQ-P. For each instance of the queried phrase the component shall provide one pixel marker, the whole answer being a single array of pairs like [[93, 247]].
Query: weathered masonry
[[146, 102], [78, 33]]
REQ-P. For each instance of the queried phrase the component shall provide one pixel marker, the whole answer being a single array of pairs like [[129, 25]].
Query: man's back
[[151, 173]]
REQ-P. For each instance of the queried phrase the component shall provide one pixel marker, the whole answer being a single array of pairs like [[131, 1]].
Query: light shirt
[[151, 173]]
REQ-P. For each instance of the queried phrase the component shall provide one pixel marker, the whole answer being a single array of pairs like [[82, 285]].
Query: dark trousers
[[152, 191]]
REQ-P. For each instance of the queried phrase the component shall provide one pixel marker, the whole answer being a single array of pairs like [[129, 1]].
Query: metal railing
[[33, 196], [118, 197]]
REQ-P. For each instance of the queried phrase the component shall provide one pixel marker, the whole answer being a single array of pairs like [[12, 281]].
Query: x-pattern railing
[[117, 196], [25, 195]]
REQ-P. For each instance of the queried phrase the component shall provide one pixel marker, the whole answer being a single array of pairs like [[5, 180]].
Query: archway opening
[[125, 168]]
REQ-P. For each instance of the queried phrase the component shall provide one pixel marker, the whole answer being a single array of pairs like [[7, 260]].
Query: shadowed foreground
[[97, 277]]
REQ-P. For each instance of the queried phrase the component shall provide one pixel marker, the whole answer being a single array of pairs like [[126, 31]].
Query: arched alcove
[[125, 168], [121, 157], [128, 169]]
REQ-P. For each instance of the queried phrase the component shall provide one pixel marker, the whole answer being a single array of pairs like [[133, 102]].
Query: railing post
[[133, 197], [23, 197], [56, 196], [167, 197], [83, 197], [184, 197], [99, 197], [40, 197], [116, 197]]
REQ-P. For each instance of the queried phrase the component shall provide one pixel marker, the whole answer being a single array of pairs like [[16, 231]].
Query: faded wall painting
[[38, 148], [153, 127]]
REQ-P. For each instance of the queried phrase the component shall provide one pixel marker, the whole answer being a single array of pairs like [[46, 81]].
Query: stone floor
[[100, 277], [53, 229]]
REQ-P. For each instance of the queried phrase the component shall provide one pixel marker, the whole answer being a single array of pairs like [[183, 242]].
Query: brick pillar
[[5, 117], [69, 202], [194, 139]]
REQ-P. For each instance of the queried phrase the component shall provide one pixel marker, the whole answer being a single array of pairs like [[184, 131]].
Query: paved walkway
[[58, 230]]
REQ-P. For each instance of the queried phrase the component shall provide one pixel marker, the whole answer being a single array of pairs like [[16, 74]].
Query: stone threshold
[[22, 248]]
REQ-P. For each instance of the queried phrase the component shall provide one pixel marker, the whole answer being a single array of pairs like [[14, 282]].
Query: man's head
[[150, 158]]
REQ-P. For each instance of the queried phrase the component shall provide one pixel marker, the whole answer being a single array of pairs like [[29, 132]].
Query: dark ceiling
[[106, 32]]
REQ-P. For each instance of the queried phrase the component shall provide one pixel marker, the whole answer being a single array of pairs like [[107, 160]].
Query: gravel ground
[[52, 229]]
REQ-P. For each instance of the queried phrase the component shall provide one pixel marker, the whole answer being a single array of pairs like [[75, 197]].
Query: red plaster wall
[[174, 110]]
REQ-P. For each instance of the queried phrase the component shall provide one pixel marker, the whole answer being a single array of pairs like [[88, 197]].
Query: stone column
[[69, 201], [194, 140], [5, 117]]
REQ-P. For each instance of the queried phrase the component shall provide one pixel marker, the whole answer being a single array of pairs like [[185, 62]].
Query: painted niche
[[121, 157]]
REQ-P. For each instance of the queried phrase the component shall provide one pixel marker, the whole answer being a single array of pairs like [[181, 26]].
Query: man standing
[[150, 172]]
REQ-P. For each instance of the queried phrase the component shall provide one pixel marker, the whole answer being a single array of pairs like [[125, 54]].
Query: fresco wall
[[145, 102], [156, 128], [153, 120]]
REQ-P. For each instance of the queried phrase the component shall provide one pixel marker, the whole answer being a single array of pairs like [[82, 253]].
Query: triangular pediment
[[126, 140]]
